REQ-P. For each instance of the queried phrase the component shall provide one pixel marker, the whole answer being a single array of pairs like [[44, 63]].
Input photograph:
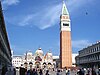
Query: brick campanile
[[65, 39]]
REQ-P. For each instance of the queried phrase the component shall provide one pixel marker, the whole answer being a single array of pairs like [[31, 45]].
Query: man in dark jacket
[[22, 71], [4, 70]]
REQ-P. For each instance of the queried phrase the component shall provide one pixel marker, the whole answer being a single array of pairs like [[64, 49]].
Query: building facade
[[5, 51], [89, 57], [48, 60], [65, 39], [37, 60]]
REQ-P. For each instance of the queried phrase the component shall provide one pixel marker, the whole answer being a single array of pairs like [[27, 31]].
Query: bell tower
[[65, 39]]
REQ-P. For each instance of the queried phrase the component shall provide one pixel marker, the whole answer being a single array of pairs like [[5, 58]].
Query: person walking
[[4, 70], [79, 72], [47, 72], [30, 72], [68, 72], [93, 72], [14, 70], [83, 71], [58, 72], [40, 72], [88, 71], [99, 71], [22, 71]]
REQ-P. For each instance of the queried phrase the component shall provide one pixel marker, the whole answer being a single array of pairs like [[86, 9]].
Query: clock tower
[[65, 39]]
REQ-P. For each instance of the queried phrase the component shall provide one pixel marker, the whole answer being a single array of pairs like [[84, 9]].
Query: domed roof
[[29, 52], [49, 53], [39, 51]]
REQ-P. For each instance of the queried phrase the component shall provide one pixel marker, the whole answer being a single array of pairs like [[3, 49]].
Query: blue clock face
[[65, 24]]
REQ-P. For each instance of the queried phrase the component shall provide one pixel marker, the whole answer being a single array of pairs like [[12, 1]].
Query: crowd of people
[[39, 71], [88, 71]]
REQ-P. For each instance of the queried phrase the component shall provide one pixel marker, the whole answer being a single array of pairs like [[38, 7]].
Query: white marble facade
[[36, 60]]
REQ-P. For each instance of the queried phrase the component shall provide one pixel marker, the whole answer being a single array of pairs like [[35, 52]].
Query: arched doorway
[[37, 64], [49, 65], [30, 63], [38, 60], [44, 65]]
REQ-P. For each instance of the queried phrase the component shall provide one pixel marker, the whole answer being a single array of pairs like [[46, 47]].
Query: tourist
[[83, 71], [93, 72], [4, 70], [58, 72], [22, 70], [68, 72], [88, 71], [40, 72], [47, 72], [14, 70], [30, 72], [99, 71], [79, 72], [35, 72]]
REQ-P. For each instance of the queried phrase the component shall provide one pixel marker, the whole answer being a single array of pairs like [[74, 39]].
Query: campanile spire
[[65, 38], [64, 9]]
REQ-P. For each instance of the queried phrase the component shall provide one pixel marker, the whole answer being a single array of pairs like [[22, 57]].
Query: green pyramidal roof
[[64, 9]]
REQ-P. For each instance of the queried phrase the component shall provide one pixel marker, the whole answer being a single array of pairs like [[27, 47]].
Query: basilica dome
[[39, 52], [49, 54], [29, 53]]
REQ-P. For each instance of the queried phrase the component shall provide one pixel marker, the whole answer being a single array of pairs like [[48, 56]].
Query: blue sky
[[35, 23]]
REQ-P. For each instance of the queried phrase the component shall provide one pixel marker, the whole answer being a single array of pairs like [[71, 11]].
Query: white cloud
[[47, 17], [44, 19], [26, 20], [51, 17], [81, 43], [10, 2]]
